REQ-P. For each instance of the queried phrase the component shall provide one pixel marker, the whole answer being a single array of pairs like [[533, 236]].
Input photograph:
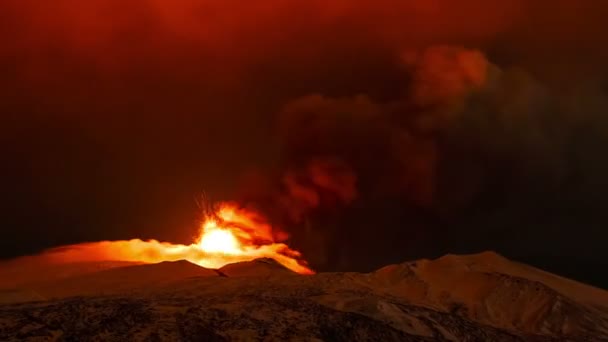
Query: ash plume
[[464, 135]]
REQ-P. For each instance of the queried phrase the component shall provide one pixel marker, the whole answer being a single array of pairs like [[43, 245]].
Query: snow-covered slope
[[482, 297], [491, 289]]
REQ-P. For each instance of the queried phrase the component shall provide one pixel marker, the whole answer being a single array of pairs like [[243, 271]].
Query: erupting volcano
[[367, 151], [228, 234]]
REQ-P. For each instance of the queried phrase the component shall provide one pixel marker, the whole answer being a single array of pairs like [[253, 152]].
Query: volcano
[[481, 297]]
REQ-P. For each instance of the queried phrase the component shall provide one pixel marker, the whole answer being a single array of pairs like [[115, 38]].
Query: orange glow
[[231, 235], [220, 241]]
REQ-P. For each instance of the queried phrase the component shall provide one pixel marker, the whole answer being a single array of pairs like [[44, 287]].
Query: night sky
[[465, 125]]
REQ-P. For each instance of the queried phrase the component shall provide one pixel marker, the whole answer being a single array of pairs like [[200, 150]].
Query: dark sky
[[469, 125]]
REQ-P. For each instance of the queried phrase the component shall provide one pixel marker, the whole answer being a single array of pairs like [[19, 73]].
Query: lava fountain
[[230, 234]]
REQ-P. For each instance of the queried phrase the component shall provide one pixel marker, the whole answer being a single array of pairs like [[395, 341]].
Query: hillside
[[482, 297]]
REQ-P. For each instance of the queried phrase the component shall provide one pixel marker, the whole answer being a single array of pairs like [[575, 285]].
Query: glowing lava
[[220, 241], [229, 235]]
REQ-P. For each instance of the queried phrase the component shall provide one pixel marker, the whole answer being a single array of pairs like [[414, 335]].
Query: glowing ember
[[233, 235]]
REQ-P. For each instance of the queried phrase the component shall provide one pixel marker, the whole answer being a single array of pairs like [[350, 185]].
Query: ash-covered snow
[[482, 297]]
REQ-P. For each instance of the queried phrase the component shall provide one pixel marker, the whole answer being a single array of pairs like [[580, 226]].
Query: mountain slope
[[491, 289], [482, 297]]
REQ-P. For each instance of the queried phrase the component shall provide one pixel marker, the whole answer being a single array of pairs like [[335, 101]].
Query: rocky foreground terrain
[[482, 297]]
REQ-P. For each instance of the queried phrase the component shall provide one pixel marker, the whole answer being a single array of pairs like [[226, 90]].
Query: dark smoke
[[466, 141], [373, 131]]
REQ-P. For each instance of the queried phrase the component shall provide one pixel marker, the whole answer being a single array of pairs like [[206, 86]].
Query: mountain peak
[[257, 267], [485, 256]]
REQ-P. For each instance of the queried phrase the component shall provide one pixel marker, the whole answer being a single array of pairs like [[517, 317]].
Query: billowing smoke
[[371, 131], [392, 145], [467, 151], [464, 136]]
